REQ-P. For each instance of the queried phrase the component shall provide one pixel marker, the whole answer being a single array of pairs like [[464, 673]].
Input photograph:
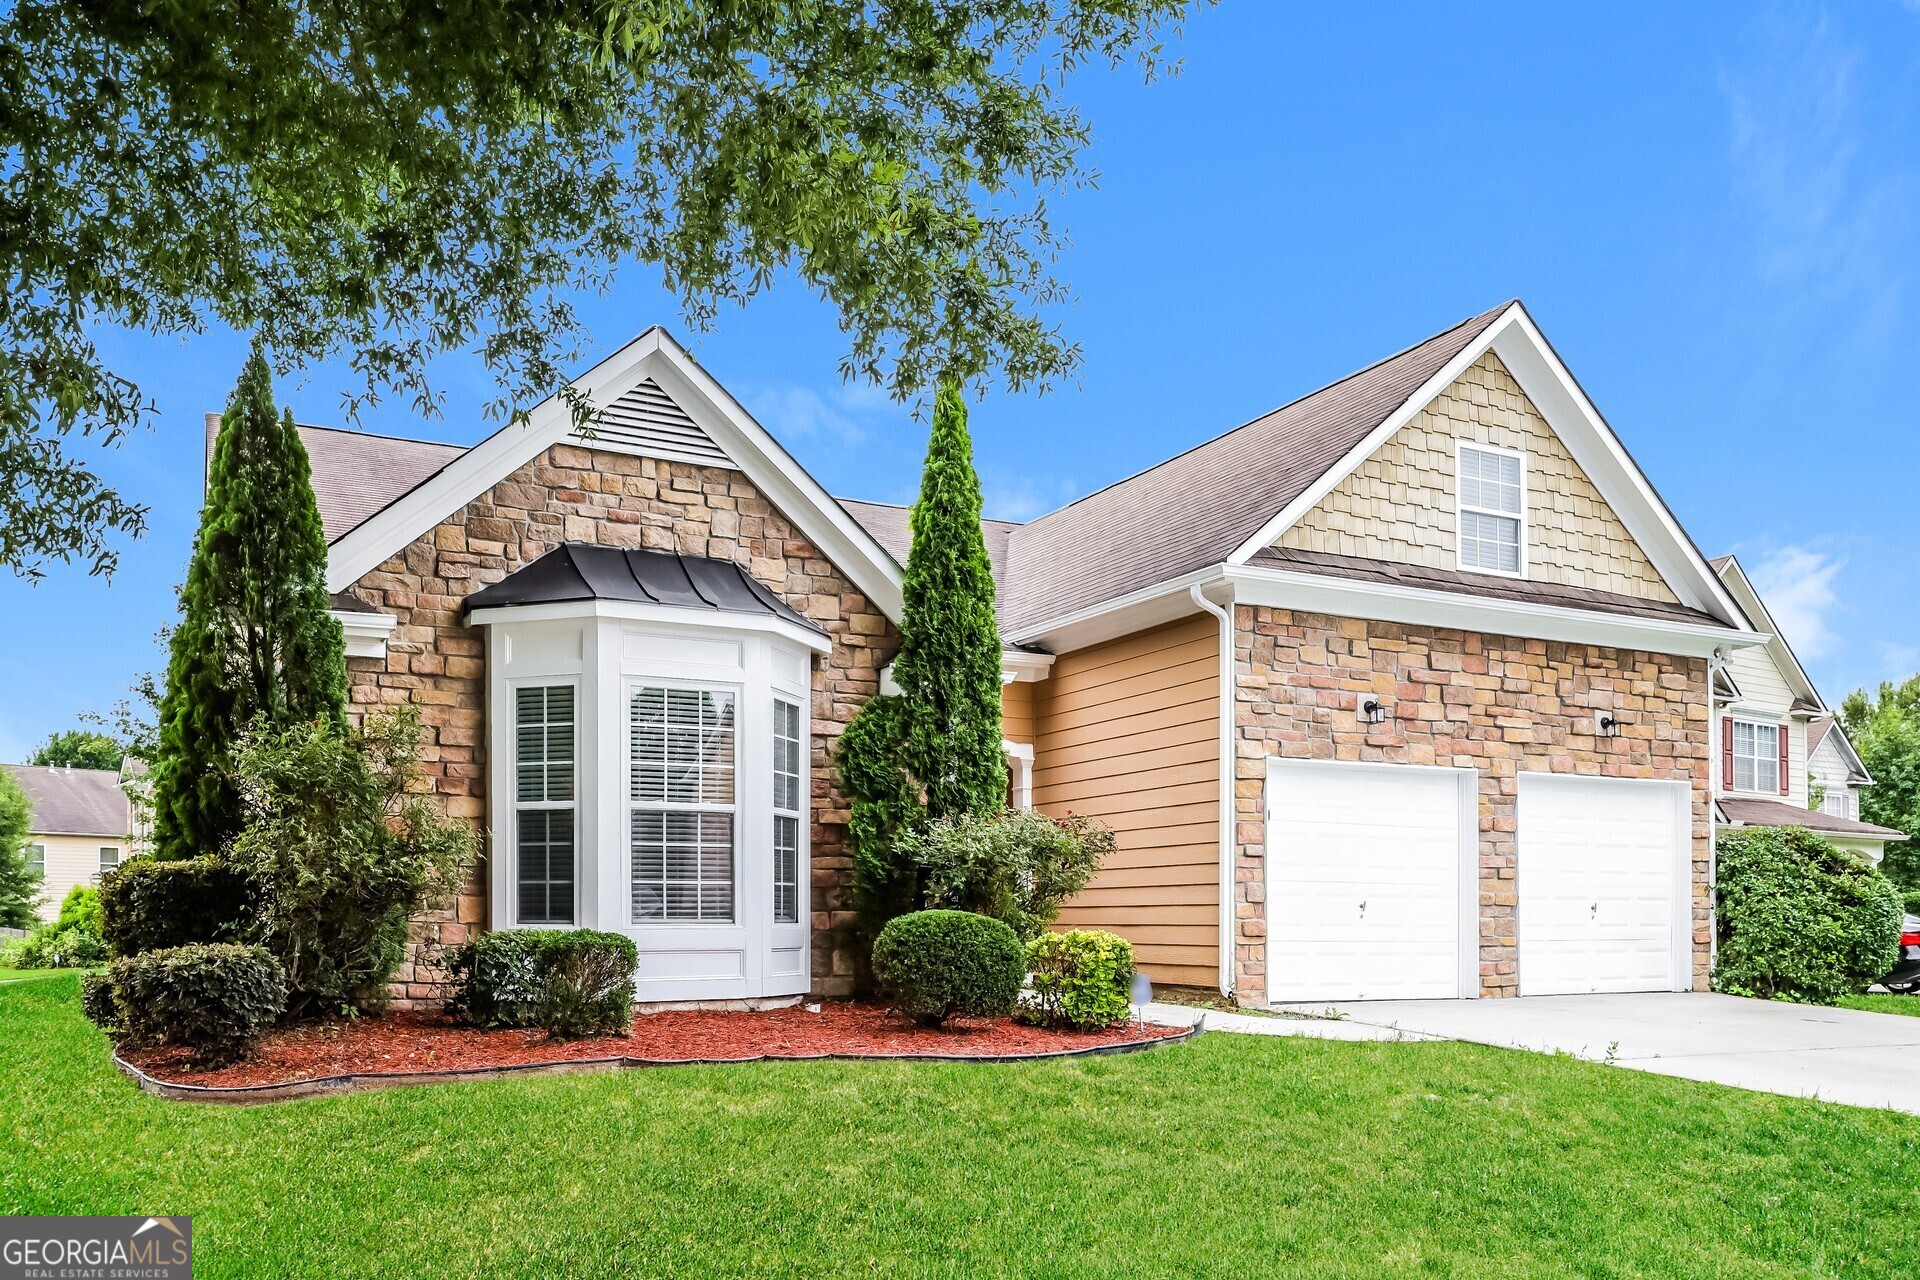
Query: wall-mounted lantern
[[1606, 724], [1373, 711]]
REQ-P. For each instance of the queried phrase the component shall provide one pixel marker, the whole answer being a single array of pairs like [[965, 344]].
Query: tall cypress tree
[[948, 667], [255, 641]]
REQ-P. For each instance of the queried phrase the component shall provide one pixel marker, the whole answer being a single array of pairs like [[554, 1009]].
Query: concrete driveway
[[1838, 1055]]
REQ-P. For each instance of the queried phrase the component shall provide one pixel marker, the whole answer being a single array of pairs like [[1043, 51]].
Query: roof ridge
[[378, 435], [908, 506], [1280, 408]]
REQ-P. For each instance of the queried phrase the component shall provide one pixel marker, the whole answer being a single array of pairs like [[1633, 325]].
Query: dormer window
[[1492, 502]]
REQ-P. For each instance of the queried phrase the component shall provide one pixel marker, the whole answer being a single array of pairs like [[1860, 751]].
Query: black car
[[1905, 977]]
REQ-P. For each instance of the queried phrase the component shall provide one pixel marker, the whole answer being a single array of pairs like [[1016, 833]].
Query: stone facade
[[1399, 504], [575, 494], [1497, 704]]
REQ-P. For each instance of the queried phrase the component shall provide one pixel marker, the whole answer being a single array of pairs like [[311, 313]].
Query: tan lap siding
[[1016, 712], [1128, 732]]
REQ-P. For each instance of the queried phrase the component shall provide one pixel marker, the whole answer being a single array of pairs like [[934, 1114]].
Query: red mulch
[[410, 1042]]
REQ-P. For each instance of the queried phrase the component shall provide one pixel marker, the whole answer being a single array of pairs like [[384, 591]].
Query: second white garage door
[[1370, 890], [1604, 869]]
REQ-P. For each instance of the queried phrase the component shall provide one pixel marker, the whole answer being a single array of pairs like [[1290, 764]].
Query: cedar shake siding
[[436, 662], [1497, 704], [1399, 505], [1128, 732]]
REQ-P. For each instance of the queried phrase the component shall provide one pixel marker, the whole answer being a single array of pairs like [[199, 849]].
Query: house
[[1779, 742], [81, 825], [1402, 689]]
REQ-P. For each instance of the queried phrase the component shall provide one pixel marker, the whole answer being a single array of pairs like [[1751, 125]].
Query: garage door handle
[[1363, 909], [1593, 912]]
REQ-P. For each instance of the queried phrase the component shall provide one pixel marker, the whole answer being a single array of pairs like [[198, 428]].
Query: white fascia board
[[1022, 667], [1290, 515], [1388, 602], [366, 633], [654, 355], [654, 614], [1785, 661], [1123, 615]]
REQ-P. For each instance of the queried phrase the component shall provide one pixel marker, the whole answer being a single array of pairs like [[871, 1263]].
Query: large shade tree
[[1885, 730], [256, 645], [389, 182]]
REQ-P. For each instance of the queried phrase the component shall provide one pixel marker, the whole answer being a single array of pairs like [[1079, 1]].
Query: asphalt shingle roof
[[74, 802]]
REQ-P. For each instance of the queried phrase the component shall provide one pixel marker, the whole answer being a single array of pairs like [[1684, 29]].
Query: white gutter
[[1227, 817]]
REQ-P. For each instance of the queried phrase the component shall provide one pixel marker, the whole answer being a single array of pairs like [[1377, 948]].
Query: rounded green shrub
[[96, 1001], [148, 904], [1082, 978], [1799, 919], [572, 982], [80, 909], [212, 998], [934, 965]]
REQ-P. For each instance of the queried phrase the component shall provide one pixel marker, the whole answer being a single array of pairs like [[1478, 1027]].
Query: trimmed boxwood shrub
[[1082, 978], [212, 998], [96, 1001], [933, 965], [571, 982], [150, 905], [1800, 919]]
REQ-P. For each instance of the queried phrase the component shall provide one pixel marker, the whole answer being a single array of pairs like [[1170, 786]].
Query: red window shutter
[[1726, 754], [1783, 759]]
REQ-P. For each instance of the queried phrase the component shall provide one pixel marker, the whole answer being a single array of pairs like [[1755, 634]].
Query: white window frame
[[516, 806], [37, 857], [629, 806], [1773, 762], [1461, 509], [796, 814], [118, 853]]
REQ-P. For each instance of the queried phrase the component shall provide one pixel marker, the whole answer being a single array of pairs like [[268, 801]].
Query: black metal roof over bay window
[[581, 571]]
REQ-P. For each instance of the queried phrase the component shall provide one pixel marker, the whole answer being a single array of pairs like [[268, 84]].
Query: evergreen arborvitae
[[255, 639], [19, 882], [948, 667]]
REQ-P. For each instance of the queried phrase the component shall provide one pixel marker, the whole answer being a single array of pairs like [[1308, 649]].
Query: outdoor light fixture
[[1605, 725], [1372, 711]]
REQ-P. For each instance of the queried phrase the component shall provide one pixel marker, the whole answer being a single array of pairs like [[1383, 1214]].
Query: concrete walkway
[[1838, 1055]]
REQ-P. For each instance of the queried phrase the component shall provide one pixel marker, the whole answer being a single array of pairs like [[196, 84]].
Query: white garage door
[[1603, 875], [1369, 881]]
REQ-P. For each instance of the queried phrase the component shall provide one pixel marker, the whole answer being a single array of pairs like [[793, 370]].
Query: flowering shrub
[[1017, 866]]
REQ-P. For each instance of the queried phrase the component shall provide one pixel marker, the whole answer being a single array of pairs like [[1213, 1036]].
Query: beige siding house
[[1403, 688], [81, 825], [1778, 741]]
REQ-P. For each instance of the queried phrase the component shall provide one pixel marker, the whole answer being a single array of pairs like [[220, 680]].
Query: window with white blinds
[[1492, 511], [682, 809], [1756, 756], [786, 812], [544, 798]]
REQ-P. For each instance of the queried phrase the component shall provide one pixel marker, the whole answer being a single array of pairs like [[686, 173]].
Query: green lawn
[[1909, 1005], [1231, 1156]]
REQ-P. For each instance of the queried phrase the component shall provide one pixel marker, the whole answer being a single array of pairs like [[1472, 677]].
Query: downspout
[[1226, 717], [1716, 662]]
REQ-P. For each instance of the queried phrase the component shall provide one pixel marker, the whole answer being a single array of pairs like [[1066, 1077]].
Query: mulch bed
[[413, 1043]]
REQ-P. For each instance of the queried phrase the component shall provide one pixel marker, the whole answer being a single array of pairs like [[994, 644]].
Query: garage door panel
[[1598, 877], [1364, 883]]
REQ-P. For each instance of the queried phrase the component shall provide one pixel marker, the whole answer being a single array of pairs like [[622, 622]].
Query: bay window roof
[[577, 571]]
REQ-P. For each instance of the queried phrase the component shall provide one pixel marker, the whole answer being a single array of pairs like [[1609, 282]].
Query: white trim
[[1579, 427], [366, 633], [1460, 446], [1229, 693], [1759, 720], [1021, 753], [658, 614], [1019, 666], [1317, 593], [507, 906], [1467, 890], [1741, 587], [653, 354], [1123, 615]]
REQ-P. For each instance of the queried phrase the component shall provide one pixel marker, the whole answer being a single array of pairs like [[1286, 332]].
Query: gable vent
[[646, 421]]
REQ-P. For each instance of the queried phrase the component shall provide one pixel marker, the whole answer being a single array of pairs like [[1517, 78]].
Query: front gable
[[1401, 503]]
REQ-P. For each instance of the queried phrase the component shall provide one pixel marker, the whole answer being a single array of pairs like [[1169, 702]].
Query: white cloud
[[845, 415], [1797, 586], [1023, 496]]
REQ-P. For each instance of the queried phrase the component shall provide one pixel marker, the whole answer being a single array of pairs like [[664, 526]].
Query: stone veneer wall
[[1494, 703], [575, 494], [1399, 504]]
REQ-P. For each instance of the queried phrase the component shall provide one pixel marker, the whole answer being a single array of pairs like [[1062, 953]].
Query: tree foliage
[[1885, 730], [933, 751], [79, 749], [343, 844], [390, 182], [1018, 866], [19, 883], [256, 643]]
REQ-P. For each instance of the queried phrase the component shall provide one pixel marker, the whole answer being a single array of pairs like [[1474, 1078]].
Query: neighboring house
[[82, 825], [1398, 690], [1779, 741]]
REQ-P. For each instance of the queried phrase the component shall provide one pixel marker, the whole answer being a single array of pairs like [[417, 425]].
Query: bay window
[[682, 794]]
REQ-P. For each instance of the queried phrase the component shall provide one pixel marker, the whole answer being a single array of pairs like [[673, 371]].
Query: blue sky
[[1712, 210]]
